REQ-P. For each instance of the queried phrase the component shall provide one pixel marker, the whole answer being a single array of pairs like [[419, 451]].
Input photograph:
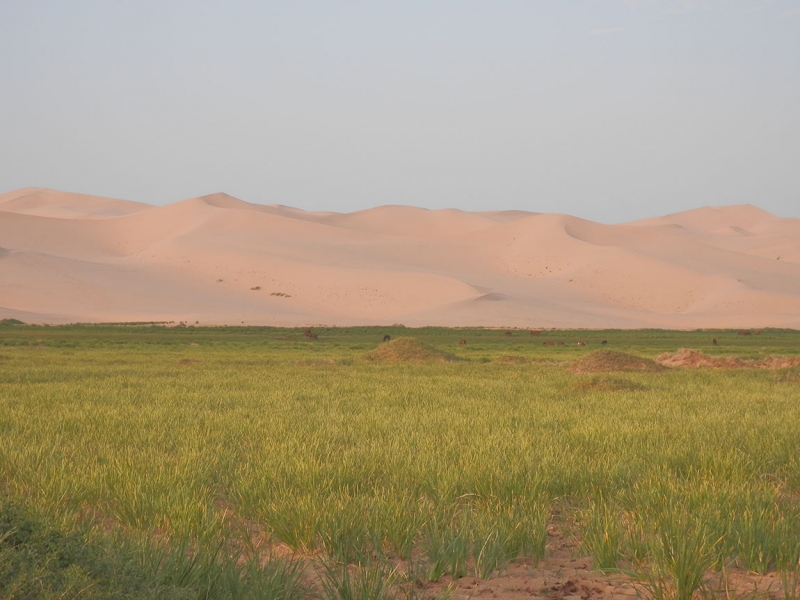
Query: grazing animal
[[547, 343], [744, 333], [756, 332], [308, 333], [387, 338], [604, 342], [313, 336], [560, 344], [507, 334], [581, 343], [536, 333], [714, 341], [462, 343]]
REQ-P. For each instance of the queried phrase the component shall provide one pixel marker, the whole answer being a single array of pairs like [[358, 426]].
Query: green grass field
[[144, 461]]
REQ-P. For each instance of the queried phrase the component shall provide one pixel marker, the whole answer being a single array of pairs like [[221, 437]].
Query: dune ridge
[[217, 259]]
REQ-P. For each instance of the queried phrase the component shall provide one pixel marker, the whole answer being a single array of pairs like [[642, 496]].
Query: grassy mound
[[612, 361], [406, 349], [10, 322]]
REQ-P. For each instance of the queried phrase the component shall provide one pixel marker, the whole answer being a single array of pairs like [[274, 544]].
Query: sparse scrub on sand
[[202, 456]]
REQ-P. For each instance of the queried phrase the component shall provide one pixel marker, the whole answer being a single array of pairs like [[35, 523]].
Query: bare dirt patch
[[689, 357], [408, 350], [614, 361], [185, 362]]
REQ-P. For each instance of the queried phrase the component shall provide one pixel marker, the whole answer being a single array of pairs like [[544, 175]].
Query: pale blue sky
[[610, 110]]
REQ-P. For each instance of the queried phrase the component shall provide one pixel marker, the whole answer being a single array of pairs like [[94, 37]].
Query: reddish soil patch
[[564, 574], [688, 357]]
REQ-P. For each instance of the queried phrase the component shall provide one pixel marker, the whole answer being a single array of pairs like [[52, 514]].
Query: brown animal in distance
[[387, 338], [462, 343], [581, 343]]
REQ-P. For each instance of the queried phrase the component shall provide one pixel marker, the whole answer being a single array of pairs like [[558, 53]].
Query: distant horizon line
[[379, 206]]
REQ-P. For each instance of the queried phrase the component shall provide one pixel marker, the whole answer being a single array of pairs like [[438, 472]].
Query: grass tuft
[[607, 384]]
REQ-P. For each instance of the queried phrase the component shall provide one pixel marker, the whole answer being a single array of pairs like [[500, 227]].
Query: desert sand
[[218, 260]]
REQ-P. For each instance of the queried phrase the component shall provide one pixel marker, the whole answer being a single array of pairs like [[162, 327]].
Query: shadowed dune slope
[[217, 259]]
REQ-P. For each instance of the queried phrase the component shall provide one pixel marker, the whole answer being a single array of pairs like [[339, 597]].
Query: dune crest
[[217, 259]]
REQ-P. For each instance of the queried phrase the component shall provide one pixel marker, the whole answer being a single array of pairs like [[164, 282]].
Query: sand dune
[[219, 260], [62, 205]]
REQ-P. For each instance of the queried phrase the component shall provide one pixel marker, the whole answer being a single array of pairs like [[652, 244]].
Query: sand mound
[[610, 361], [689, 357], [406, 349]]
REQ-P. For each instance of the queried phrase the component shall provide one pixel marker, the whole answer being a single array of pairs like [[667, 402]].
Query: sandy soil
[[567, 576], [218, 260], [564, 574]]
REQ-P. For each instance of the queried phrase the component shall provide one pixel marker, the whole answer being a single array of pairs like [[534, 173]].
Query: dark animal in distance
[[462, 343], [507, 334], [604, 342], [581, 343], [313, 336], [310, 335], [560, 344], [387, 338], [714, 341]]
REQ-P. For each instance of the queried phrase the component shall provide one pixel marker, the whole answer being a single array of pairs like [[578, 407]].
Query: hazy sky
[[610, 110]]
